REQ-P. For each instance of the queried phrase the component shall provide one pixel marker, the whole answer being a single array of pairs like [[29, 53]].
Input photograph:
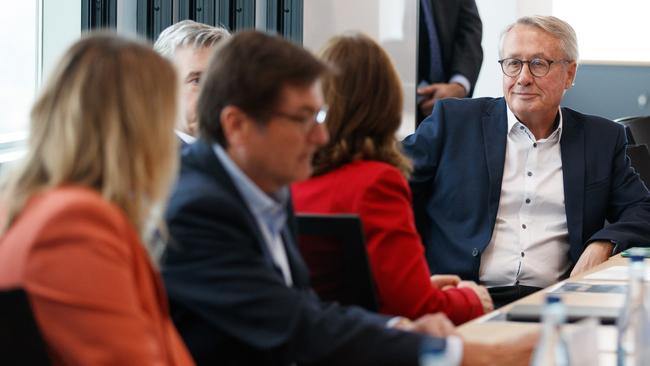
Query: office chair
[[335, 251], [21, 342], [640, 159], [637, 129]]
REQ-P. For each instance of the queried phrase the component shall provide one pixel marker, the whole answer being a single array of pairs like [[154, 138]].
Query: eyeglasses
[[539, 67], [307, 122]]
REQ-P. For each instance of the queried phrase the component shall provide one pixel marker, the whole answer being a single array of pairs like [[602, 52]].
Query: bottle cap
[[553, 299], [636, 254]]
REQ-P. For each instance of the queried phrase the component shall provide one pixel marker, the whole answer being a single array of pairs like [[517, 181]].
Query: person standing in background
[[449, 51]]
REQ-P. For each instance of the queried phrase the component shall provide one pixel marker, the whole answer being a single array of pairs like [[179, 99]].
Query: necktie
[[436, 71]]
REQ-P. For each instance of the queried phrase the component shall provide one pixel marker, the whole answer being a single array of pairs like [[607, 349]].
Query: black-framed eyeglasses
[[539, 67], [307, 121]]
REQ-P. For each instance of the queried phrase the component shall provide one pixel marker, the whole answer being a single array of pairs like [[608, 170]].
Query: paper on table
[[614, 273], [596, 288]]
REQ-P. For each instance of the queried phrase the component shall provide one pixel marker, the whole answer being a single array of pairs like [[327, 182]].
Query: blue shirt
[[269, 211]]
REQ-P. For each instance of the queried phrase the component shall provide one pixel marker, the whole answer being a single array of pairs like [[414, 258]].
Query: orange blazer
[[95, 295]]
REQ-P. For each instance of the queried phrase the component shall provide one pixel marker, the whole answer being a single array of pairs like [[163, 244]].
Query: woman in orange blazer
[[361, 170], [101, 156]]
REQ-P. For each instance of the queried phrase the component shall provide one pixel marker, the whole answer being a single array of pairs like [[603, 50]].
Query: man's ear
[[572, 69], [235, 125]]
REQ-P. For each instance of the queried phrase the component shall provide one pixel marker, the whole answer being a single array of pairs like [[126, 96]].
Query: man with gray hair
[[189, 45], [514, 192]]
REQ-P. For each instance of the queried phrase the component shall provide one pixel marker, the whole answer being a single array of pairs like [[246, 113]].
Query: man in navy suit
[[238, 288], [515, 192]]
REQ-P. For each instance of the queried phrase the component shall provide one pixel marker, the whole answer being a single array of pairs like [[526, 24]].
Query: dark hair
[[249, 71], [365, 105]]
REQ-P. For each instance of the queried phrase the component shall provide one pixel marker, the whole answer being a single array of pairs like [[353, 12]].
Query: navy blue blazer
[[230, 302], [459, 154]]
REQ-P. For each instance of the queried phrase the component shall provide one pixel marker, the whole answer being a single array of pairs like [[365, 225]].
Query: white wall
[[392, 23], [18, 66], [496, 15], [495, 19]]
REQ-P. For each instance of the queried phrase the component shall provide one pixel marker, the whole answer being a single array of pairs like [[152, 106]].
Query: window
[[18, 72]]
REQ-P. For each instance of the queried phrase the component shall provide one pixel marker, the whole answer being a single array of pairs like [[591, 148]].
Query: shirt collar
[[188, 139], [271, 209], [514, 122]]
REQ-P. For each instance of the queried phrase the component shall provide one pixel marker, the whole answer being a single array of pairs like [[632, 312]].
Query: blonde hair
[[365, 100], [104, 120]]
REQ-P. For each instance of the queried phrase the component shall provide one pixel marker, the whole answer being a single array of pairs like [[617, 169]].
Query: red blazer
[[95, 295], [380, 195]]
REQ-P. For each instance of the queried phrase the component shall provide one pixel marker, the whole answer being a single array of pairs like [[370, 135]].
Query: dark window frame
[[98, 14], [284, 17]]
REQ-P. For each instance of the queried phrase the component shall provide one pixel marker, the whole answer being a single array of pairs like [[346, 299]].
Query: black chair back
[[21, 342], [335, 251], [637, 129], [640, 159]]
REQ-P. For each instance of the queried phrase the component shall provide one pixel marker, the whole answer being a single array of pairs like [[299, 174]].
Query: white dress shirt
[[530, 241], [188, 139]]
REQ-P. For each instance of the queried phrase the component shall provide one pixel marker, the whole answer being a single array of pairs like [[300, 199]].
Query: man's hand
[[444, 282], [434, 92], [481, 292], [594, 254], [435, 325]]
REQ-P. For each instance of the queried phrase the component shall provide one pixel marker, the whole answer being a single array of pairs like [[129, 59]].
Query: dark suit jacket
[[230, 302], [459, 155], [460, 32]]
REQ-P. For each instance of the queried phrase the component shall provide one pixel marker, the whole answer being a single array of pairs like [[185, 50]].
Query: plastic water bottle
[[551, 350], [432, 355], [632, 323]]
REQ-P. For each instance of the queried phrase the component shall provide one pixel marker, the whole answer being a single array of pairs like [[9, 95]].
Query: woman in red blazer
[[101, 156], [361, 170]]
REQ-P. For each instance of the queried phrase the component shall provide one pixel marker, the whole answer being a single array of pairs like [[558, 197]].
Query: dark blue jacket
[[459, 154], [230, 302]]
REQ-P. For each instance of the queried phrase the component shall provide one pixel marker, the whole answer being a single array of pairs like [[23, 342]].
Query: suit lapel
[[572, 148], [203, 155], [495, 127], [299, 272]]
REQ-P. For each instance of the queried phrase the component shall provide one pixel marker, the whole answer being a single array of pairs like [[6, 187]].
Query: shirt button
[[527, 200], [534, 144], [521, 128], [523, 226], [530, 174], [522, 254], [474, 252]]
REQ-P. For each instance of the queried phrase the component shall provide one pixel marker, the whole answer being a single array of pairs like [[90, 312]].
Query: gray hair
[[188, 33], [552, 25]]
